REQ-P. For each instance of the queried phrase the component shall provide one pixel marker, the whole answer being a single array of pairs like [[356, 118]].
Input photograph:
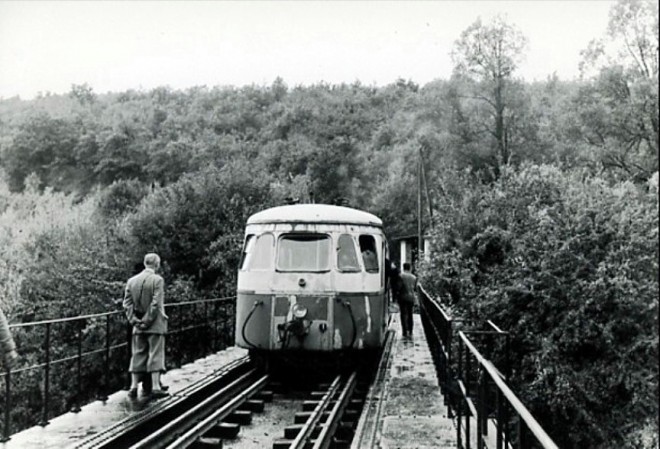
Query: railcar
[[311, 282]]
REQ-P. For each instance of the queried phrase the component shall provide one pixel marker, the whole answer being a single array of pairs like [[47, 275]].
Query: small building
[[406, 247]]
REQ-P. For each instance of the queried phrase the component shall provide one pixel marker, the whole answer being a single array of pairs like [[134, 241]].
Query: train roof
[[315, 213]]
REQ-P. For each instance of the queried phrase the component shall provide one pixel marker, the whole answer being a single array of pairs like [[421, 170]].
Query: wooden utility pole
[[420, 242]]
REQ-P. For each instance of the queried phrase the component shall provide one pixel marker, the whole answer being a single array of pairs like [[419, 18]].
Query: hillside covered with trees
[[544, 200]]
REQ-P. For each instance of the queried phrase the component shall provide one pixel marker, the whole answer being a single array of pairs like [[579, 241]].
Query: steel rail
[[324, 439], [375, 398], [199, 411], [303, 436], [204, 426]]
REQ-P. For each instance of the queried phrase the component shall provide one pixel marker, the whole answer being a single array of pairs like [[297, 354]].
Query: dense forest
[[540, 199]]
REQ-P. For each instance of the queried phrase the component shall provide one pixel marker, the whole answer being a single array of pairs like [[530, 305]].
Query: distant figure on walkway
[[407, 293], [393, 278], [144, 304], [7, 345]]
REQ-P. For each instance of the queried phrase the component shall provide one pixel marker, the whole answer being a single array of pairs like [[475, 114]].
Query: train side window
[[369, 254], [303, 252], [262, 257], [247, 250], [347, 259]]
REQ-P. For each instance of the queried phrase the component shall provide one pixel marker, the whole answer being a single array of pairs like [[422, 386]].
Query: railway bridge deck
[[404, 408], [434, 390]]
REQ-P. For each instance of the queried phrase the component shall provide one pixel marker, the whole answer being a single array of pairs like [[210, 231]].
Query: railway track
[[327, 420], [211, 415], [138, 429]]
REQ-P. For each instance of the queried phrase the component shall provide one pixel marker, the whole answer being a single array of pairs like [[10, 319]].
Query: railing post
[[44, 417], [448, 376], [507, 358], [176, 337], [215, 325], [460, 403], [76, 407], [232, 325], [207, 341], [103, 394], [224, 325], [500, 418], [129, 353], [482, 409], [522, 440], [7, 427]]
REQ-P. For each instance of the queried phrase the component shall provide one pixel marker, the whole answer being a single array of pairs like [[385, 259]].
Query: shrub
[[569, 265], [196, 225]]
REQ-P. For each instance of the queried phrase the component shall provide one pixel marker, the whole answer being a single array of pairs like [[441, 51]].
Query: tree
[[487, 55], [43, 145], [83, 93], [619, 105]]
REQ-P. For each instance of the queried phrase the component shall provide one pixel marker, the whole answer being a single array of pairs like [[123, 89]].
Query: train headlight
[[298, 311]]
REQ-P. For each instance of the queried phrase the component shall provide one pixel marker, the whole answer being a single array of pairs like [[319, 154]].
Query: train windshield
[[369, 253], [258, 252], [347, 259], [303, 252]]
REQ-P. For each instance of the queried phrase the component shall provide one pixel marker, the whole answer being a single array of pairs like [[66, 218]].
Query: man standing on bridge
[[145, 309], [408, 288]]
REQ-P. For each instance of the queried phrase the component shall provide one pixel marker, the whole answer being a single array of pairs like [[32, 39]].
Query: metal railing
[[438, 327], [68, 361], [488, 414]]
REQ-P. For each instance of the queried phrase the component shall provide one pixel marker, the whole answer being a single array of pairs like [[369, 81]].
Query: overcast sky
[[119, 45]]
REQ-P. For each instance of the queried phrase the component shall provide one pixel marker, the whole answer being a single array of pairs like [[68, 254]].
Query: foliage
[[618, 108], [487, 56], [569, 265], [196, 225], [120, 198], [52, 252], [42, 146]]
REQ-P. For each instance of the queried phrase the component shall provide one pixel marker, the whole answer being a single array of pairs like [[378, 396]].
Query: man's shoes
[[132, 393], [157, 394]]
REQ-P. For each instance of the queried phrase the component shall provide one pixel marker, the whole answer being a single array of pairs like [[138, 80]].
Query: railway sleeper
[[264, 395], [253, 405], [351, 415], [207, 443], [242, 417], [286, 444], [311, 404], [302, 417], [224, 430], [291, 432], [338, 443]]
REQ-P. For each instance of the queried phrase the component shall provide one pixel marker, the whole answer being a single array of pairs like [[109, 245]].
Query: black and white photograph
[[329, 224]]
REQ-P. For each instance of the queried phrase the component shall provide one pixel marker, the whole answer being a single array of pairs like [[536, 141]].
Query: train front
[[312, 280]]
